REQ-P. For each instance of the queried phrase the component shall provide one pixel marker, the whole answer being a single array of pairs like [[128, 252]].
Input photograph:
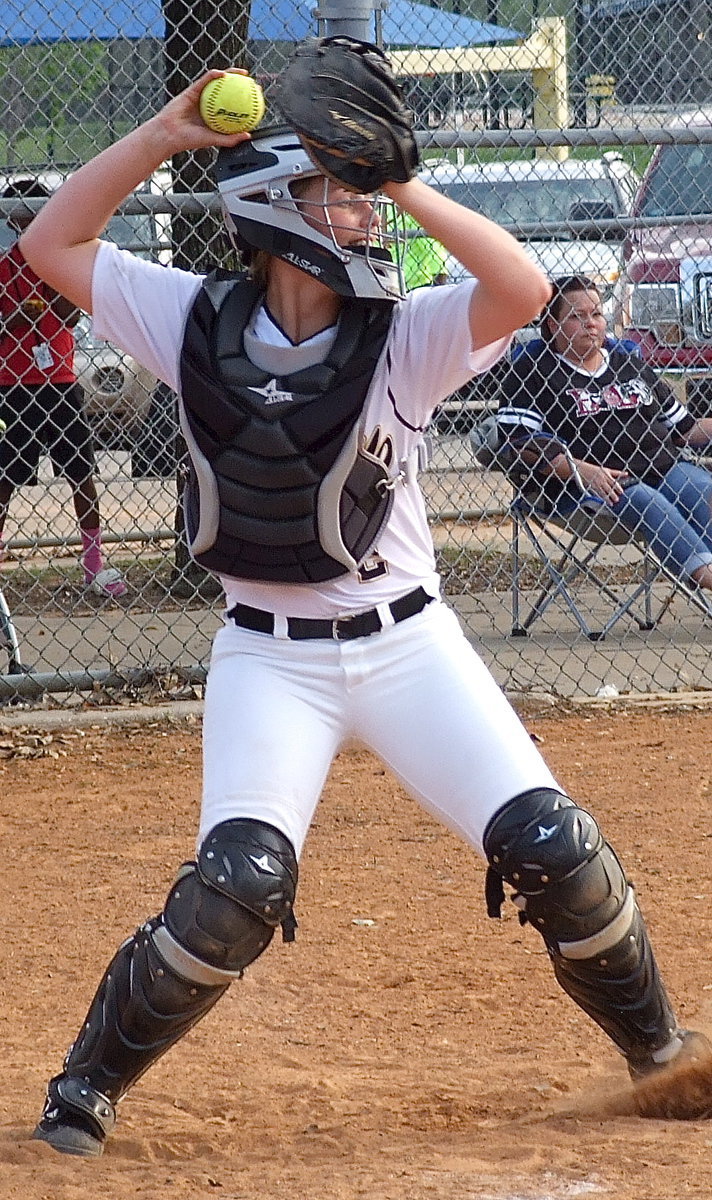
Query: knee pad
[[568, 881], [222, 911], [255, 865]]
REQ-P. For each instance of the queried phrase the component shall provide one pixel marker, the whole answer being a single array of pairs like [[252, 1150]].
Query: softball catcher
[[305, 386]]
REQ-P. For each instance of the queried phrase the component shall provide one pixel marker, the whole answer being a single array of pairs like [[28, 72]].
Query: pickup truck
[[663, 299]]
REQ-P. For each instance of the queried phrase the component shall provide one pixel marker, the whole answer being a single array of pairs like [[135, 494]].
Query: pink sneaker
[[108, 582]]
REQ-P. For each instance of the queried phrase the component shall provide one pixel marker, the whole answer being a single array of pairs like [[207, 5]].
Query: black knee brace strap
[[572, 888]]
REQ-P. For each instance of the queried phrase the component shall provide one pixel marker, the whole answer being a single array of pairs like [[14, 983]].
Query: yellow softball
[[232, 104]]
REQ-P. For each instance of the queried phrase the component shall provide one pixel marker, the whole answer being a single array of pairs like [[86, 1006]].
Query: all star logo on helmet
[[303, 263]]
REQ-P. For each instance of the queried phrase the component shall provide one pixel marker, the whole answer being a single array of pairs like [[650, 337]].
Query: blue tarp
[[404, 24]]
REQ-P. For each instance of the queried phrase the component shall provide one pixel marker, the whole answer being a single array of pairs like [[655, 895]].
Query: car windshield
[[135, 231], [680, 182], [522, 202]]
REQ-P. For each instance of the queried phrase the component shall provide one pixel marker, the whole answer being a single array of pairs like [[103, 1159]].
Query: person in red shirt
[[41, 402]]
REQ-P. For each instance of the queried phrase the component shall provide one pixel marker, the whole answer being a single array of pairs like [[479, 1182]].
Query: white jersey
[[142, 308]]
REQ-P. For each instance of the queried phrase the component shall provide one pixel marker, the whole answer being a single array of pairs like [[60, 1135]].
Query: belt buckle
[[336, 635]]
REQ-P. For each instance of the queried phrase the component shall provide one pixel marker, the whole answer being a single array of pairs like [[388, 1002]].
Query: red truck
[[664, 296]]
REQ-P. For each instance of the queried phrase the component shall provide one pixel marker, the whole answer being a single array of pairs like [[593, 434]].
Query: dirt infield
[[406, 1047]]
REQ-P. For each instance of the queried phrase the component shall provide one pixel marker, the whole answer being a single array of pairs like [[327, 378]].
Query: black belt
[[344, 629]]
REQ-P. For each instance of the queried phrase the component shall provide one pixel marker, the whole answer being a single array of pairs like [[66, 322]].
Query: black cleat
[[692, 1047], [76, 1118], [69, 1133]]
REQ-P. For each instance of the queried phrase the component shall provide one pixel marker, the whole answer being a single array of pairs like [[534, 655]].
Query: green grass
[[61, 144]]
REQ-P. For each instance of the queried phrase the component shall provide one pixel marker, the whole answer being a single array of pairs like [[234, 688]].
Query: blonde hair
[[258, 270]]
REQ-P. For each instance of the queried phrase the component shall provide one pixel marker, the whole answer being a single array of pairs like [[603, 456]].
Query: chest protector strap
[[282, 486]]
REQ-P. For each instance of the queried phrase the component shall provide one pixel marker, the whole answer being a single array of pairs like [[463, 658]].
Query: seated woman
[[621, 431]]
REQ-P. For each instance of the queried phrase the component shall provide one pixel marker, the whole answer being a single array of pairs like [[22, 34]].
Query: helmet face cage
[[256, 182]]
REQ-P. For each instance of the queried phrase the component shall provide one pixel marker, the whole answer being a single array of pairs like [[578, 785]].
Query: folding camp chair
[[8, 641], [569, 538]]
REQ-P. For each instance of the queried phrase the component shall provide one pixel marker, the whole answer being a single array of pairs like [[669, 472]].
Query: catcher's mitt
[[342, 99]]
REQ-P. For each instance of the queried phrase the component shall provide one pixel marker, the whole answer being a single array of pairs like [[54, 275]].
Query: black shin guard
[[621, 990], [220, 915], [572, 888], [141, 1008]]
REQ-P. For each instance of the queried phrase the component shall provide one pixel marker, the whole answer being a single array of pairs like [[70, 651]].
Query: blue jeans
[[675, 518]]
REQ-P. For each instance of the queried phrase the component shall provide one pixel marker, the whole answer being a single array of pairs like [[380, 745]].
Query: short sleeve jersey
[[19, 361], [142, 307], [621, 416]]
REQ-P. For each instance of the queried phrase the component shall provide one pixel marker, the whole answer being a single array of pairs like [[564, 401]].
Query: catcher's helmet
[[255, 180]]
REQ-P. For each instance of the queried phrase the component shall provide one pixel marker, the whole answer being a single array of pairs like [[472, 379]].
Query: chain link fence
[[582, 128]]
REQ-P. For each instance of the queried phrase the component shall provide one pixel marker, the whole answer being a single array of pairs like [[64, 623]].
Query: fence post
[[551, 86]]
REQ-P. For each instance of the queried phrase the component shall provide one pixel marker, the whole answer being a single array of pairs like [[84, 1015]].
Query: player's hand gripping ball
[[232, 104]]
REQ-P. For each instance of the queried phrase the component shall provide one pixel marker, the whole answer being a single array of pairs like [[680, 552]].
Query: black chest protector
[[280, 487]]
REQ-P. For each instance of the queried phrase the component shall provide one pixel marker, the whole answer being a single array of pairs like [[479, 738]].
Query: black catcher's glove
[[341, 97]]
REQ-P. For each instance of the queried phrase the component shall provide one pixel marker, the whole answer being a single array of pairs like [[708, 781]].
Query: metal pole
[[31, 685], [578, 68], [493, 102], [347, 18]]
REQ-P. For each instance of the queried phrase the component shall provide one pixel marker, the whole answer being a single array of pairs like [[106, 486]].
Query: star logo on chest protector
[[272, 394]]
